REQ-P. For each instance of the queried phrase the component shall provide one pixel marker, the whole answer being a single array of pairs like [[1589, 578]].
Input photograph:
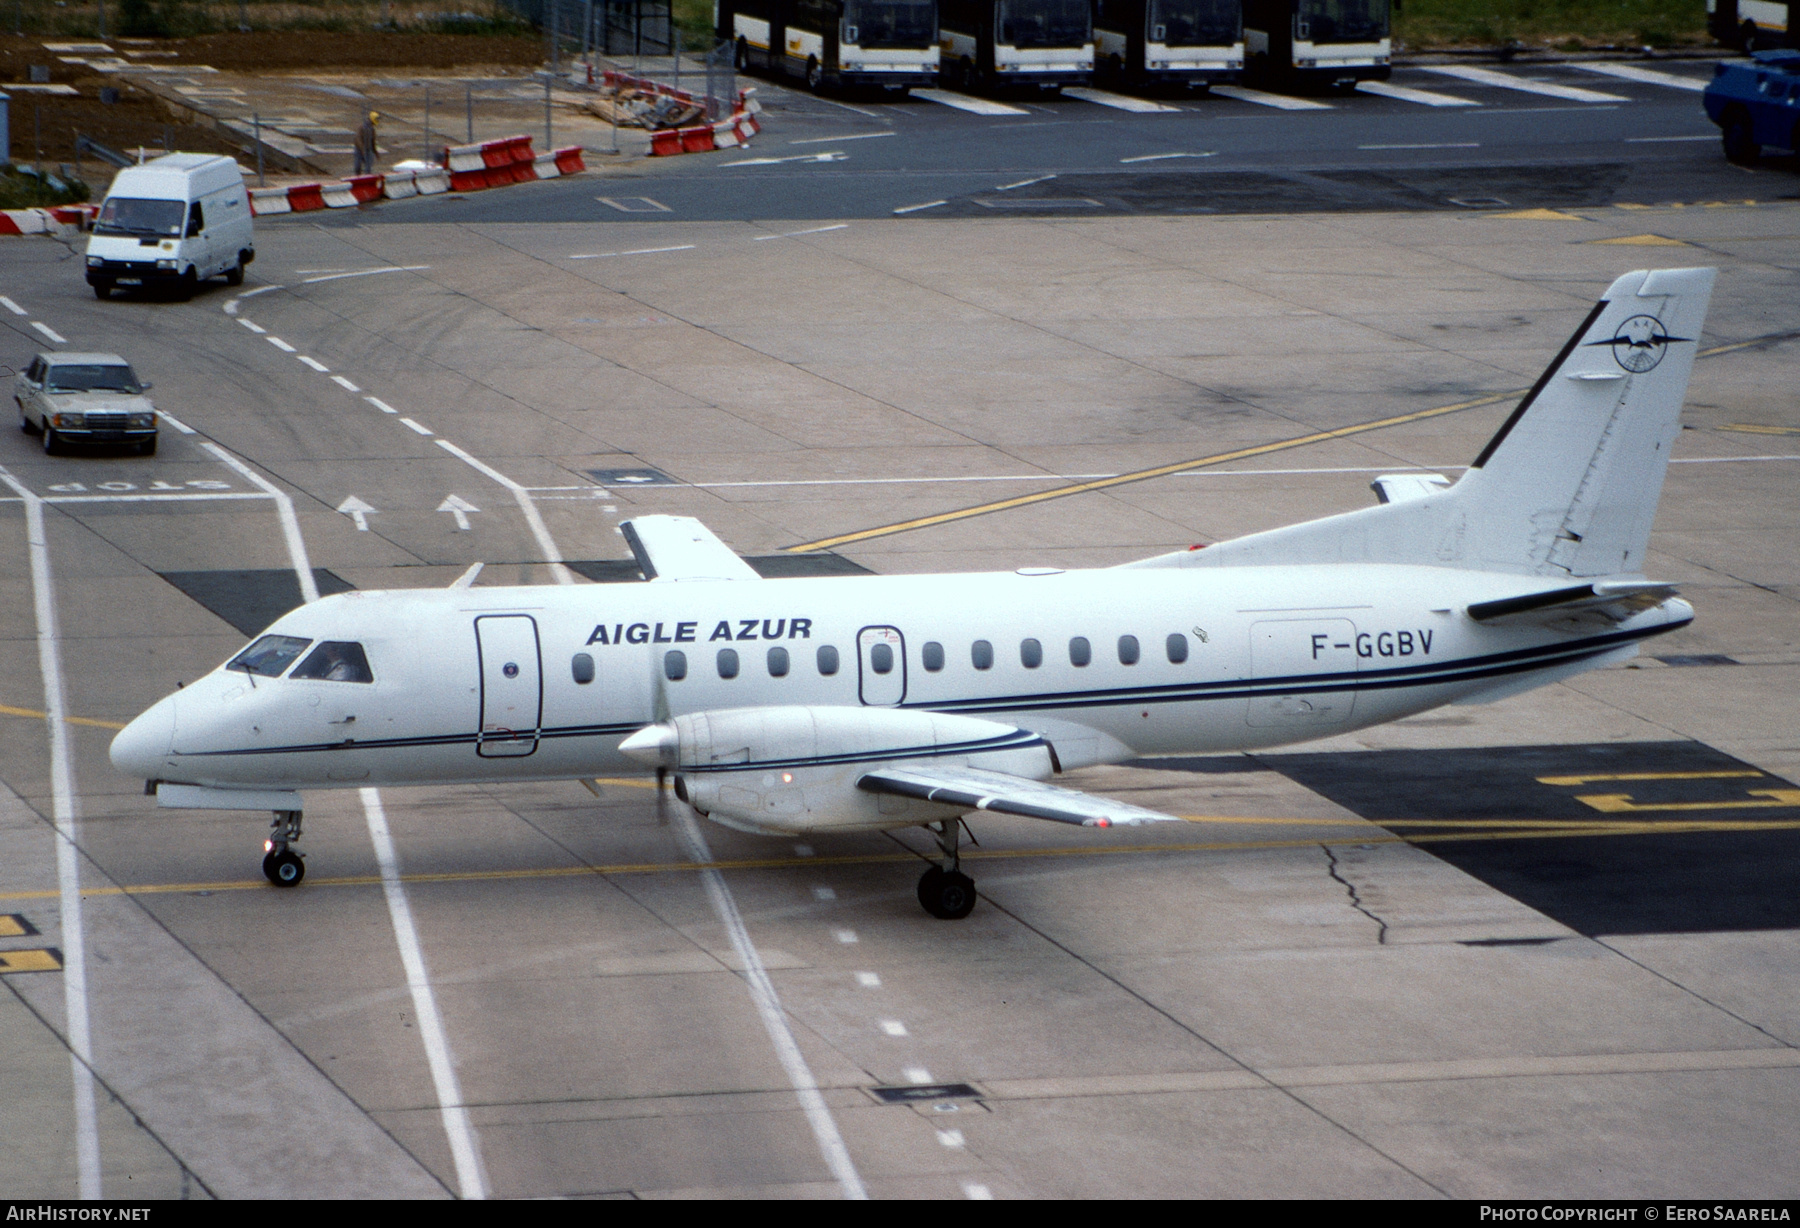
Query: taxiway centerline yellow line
[[34, 714], [978, 854]]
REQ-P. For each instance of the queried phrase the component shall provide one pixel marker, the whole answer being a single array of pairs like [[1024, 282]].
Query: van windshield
[[131, 215]]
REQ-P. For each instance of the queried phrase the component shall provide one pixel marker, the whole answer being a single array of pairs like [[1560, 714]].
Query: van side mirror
[[146, 385]]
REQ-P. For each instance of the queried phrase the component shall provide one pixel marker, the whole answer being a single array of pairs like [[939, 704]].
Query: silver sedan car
[[85, 398]]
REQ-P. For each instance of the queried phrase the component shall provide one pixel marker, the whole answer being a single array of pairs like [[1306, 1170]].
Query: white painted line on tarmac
[[915, 208], [868, 980], [834, 155], [465, 1150], [402, 268], [964, 102], [382, 405], [832, 140], [1644, 76], [636, 251], [768, 1007], [175, 422], [12, 306], [290, 524], [345, 384], [1659, 140], [231, 307], [1405, 93], [1024, 183], [795, 234], [824, 893], [315, 364], [50, 332], [521, 496], [847, 937], [1122, 102], [1435, 145], [252, 325], [68, 865], [423, 430], [279, 344], [1506, 81], [184, 496], [893, 1027], [951, 1138], [1281, 102], [1166, 157], [918, 1076], [974, 1190]]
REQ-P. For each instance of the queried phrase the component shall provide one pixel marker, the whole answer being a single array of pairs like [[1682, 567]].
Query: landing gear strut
[[946, 892], [281, 864]]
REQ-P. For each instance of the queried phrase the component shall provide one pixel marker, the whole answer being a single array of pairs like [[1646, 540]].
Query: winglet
[[681, 548]]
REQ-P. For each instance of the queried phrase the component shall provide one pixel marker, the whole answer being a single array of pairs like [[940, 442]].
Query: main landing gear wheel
[[281, 864], [946, 892], [947, 895]]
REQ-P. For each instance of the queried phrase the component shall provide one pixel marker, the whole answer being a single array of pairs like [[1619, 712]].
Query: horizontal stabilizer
[[681, 548], [978, 789], [1615, 601], [1399, 487]]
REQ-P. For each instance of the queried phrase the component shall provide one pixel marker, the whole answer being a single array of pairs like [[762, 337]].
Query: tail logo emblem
[[1639, 343]]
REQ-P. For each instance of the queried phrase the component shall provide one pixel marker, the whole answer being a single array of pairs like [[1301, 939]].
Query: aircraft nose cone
[[141, 746]]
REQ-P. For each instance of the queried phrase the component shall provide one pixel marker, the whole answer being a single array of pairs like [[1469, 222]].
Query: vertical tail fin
[[1569, 484]]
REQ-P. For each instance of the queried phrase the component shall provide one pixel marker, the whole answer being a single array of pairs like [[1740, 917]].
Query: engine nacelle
[[793, 769]]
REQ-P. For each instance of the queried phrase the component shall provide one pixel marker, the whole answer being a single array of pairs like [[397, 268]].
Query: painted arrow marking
[[460, 508], [358, 511], [833, 156]]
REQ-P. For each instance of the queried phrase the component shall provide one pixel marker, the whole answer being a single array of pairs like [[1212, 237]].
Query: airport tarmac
[[1412, 961]]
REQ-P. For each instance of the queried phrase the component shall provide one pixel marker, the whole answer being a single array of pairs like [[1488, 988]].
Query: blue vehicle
[[1756, 103]]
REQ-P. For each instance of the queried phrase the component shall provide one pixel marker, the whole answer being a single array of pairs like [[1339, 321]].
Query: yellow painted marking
[[1526, 830], [41, 960], [1645, 240], [1621, 803], [12, 925], [1142, 475], [1752, 428], [34, 714], [1537, 215], [1583, 780]]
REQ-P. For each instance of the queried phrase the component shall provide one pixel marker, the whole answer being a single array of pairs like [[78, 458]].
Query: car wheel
[[52, 441], [1740, 142], [234, 276], [190, 284], [103, 289], [148, 447]]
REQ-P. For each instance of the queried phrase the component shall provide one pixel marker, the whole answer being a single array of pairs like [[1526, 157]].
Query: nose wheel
[[946, 892], [281, 865]]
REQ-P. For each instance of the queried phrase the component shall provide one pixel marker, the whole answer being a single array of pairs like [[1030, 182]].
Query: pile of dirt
[[44, 126]]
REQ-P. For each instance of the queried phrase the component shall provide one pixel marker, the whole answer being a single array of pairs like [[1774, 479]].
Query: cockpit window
[[336, 661], [269, 655]]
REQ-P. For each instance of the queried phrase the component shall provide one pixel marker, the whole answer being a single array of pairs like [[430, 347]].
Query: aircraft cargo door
[[881, 666], [512, 686], [1293, 662]]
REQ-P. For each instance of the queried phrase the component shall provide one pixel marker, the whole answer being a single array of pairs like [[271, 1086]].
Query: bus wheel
[[815, 76], [741, 58]]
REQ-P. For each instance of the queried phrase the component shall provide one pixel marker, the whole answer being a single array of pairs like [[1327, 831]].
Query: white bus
[[1318, 42], [1005, 44], [1170, 43], [886, 44], [1752, 24]]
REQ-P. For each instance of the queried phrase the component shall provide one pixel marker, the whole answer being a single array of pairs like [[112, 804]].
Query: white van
[[172, 222]]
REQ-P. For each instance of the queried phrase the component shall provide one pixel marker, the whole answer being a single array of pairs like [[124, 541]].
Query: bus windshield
[[891, 23], [1196, 23], [1344, 21], [1044, 23]]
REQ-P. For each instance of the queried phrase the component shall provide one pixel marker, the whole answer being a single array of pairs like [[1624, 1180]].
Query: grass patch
[[1566, 25], [20, 189]]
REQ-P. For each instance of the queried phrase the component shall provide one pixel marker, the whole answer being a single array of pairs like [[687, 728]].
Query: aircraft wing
[[979, 789], [681, 548], [1615, 600]]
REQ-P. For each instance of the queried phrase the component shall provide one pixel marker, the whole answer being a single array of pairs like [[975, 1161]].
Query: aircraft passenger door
[[881, 666], [512, 685], [1293, 662]]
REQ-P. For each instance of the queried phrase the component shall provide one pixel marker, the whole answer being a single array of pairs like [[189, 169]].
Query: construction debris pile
[[632, 107]]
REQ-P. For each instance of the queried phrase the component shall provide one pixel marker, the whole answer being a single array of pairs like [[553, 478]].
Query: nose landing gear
[[281, 864], [945, 891]]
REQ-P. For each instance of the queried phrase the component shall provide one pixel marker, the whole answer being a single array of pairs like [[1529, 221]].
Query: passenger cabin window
[[270, 655], [1178, 648], [674, 665], [828, 660], [778, 662], [881, 658], [1080, 651], [335, 661], [932, 656], [581, 665], [1031, 654], [1128, 650], [728, 663], [981, 654]]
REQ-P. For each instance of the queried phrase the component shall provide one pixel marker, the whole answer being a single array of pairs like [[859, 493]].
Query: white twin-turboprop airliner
[[789, 706]]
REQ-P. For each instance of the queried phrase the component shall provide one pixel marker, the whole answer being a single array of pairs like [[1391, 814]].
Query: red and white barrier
[[489, 164], [559, 162], [56, 219]]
